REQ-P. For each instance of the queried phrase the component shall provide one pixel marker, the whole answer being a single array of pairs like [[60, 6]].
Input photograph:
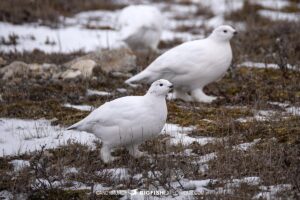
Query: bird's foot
[[108, 159], [199, 96], [176, 95], [106, 156], [135, 152], [138, 154], [205, 99]]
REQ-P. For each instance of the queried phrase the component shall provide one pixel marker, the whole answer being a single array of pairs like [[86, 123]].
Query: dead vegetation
[[265, 40], [275, 161], [40, 57], [48, 11]]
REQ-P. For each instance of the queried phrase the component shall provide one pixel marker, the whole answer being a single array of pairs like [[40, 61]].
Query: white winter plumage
[[128, 121], [140, 26], [192, 65]]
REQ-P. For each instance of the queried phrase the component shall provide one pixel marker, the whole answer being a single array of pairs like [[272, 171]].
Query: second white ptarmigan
[[192, 65], [140, 27], [128, 121]]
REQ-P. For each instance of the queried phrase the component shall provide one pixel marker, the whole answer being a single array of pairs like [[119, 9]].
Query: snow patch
[[272, 4], [66, 39], [282, 105], [279, 16], [246, 146], [19, 164], [121, 90], [206, 158], [117, 173], [261, 115], [293, 110], [25, 136], [179, 135], [82, 186], [98, 93], [97, 19], [79, 107], [221, 7], [263, 65], [269, 192], [70, 170], [237, 182], [6, 195]]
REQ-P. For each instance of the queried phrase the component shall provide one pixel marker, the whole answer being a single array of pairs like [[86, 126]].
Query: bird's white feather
[[193, 64], [129, 120], [140, 25]]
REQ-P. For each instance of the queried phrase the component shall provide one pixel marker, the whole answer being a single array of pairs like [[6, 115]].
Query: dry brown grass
[[40, 57], [275, 162], [265, 40], [48, 11]]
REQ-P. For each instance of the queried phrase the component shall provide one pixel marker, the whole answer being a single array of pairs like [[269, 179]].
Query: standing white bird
[[128, 121], [140, 27], [192, 65]]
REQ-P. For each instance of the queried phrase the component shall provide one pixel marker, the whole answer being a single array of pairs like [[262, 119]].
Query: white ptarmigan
[[140, 26], [128, 121], [192, 65]]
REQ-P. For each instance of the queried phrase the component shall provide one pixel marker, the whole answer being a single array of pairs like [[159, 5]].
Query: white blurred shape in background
[[140, 27]]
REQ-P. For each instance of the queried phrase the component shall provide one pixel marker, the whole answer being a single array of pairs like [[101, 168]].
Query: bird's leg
[[134, 151], [178, 94], [200, 96], [105, 153]]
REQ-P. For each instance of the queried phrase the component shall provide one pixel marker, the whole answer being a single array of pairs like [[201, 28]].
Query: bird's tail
[[72, 127], [143, 76], [75, 126]]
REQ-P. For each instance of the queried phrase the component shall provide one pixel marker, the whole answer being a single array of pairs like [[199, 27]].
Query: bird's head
[[223, 33], [160, 88]]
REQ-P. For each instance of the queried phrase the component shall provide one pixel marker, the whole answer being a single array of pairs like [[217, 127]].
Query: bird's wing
[[113, 113], [175, 61]]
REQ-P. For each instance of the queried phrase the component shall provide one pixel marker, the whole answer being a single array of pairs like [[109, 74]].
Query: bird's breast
[[208, 67]]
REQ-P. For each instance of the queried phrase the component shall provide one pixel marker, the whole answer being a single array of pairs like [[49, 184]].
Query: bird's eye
[[160, 84], [225, 31]]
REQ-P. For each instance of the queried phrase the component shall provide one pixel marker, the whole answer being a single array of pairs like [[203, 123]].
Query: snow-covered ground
[[97, 93], [179, 135], [65, 39], [23, 136], [91, 30], [276, 15], [292, 110], [267, 115], [264, 65], [79, 107]]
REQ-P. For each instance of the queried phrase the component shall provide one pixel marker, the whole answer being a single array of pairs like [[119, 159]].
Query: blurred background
[[86, 25]]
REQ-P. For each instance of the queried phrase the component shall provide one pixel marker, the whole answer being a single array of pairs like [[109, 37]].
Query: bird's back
[[190, 61], [125, 119]]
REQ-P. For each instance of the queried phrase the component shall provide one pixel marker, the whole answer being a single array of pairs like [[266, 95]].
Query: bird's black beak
[[235, 33], [171, 87]]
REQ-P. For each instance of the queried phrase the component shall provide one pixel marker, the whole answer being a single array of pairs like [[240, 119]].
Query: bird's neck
[[156, 101], [215, 38], [152, 96]]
